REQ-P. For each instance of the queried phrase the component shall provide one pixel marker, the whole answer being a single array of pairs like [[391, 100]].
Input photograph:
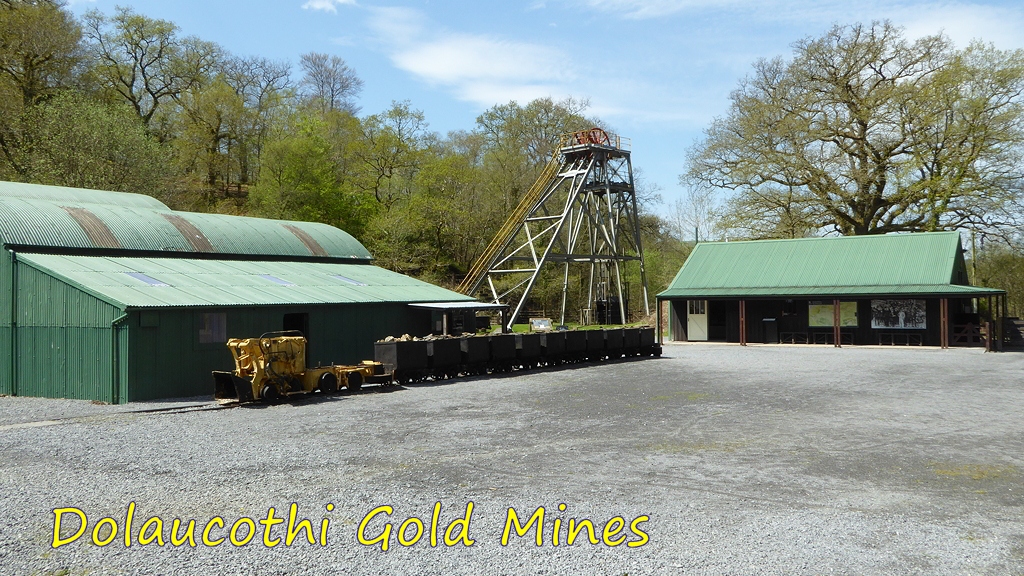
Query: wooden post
[[944, 323], [988, 325], [658, 321], [743, 322], [999, 323], [836, 332]]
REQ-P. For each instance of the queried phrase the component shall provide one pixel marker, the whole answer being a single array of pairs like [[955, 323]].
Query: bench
[[900, 339]]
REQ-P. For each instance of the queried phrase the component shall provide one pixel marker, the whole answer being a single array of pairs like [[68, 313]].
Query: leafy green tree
[[866, 132], [39, 47], [433, 231], [39, 55], [519, 141], [1000, 264], [85, 144], [212, 118], [391, 152], [307, 171]]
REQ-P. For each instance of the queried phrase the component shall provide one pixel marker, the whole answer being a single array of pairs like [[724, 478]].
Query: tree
[[307, 172], [865, 132], [39, 46], [329, 82], [519, 141], [212, 118], [695, 215], [391, 152], [39, 55], [85, 144], [1000, 264], [144, 61], [263, 87]]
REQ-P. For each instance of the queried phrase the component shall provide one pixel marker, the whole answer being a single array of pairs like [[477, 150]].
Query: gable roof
[[183, 282], [891, 264]]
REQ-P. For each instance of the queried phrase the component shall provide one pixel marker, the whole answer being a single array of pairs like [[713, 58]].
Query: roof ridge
[[847, 237]]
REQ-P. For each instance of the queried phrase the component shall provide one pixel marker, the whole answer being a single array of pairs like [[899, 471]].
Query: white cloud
[[642, 9], [966, 22], [397, 26], [995, 21], [481, 69], [327, 5], [466, 58]]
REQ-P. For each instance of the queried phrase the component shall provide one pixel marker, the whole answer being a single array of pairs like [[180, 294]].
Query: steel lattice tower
[[582, 211]]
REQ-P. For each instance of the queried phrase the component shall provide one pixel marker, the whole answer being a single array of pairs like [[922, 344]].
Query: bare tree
[[145, 61], [329, 82], [696, 214], [262, 85]]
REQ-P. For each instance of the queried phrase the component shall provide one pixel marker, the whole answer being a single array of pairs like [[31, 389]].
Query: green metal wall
[[64, 340], [167, 360], [68, 342], [6, 291]]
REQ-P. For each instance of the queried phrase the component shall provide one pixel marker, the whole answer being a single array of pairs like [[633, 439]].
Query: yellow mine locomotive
[[273, 367]]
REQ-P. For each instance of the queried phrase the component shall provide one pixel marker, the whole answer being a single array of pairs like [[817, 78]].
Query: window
[[696, 306], [276, 280], [147, 279], [349, 280], [213, 328]]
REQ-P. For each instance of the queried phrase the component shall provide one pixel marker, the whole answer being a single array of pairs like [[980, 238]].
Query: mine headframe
[[581, 211]]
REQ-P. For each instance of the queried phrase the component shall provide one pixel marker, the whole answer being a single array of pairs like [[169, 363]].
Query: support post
[[658, 320], [743, 322], [988, 326], [944, 323], [999, 323], [836, 331]]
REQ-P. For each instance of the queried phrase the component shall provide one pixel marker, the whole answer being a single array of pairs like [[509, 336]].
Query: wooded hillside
[[862, 132]]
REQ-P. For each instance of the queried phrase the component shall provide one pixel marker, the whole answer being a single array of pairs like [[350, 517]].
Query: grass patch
[[976, 471]]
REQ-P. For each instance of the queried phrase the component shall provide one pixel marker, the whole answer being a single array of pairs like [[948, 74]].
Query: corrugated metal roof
[[77, 195], [245, 235], [35, 222], [191, 282], [921, 263], [47, 217]]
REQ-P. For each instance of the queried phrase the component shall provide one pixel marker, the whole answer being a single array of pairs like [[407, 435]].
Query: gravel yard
[[713, 459]]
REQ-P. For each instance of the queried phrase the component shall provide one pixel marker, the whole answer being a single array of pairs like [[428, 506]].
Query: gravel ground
[[758, 460]]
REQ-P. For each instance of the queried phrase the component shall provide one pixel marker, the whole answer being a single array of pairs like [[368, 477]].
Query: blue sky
[[656, 71]]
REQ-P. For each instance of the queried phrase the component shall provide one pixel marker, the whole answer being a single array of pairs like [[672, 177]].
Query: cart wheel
[[328, 383], [355, 380], [270, 393]]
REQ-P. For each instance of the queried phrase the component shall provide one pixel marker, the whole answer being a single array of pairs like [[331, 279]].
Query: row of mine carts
[[411, 361]]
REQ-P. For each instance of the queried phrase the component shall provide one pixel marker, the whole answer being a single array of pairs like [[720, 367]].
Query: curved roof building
[[115, 297]]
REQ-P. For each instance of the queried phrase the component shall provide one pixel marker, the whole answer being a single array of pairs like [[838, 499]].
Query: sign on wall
[[899, 314], [820, 314]]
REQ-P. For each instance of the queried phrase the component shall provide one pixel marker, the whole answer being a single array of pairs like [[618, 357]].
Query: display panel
[[820, 314], [899, 314]]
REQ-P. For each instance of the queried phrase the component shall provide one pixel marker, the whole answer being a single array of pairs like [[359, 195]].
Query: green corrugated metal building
[[884, 289], [114, 297]]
